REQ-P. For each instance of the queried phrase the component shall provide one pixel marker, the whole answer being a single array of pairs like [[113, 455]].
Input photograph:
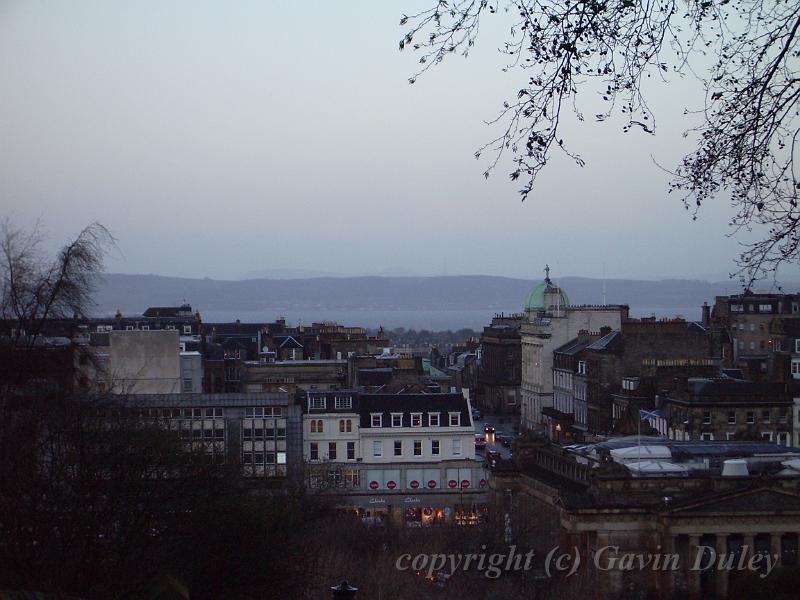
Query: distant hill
[[133, 293]]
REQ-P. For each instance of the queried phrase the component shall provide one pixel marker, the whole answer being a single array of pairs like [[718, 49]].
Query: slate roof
[[410, 403], [606, 343]]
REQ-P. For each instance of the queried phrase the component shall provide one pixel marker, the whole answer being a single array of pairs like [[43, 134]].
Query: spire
[[547, 274]]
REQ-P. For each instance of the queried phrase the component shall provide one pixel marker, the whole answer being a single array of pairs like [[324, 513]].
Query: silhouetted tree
[[744, 52]]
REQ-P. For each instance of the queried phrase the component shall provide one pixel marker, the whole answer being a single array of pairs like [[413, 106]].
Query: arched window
[[341, 425], [313, 426], [349, 425], [319, 425]]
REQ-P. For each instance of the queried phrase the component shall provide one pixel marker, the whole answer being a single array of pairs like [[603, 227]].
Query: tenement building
[[619, 504], [500, 372], [722, 408], [405, 457], [550, 323]]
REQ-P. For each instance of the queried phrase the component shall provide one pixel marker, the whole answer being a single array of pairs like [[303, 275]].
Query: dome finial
[[547, 274]]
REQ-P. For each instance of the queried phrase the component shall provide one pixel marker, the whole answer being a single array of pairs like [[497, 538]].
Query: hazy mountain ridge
[[133, 293]]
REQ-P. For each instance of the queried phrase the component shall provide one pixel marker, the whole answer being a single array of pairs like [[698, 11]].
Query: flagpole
[[639, 436]]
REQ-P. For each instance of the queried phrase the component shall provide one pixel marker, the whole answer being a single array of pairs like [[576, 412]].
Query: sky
[[225, 139]]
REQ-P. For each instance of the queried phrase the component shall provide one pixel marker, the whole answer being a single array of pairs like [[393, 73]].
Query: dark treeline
[[403, 337]]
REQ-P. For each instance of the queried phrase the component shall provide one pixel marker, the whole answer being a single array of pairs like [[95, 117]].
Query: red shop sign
[[391, 485], [432, 483], [414, 484], [373, 485], [452, 483]]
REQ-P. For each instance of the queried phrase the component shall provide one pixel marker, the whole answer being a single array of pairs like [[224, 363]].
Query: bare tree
[[746, 143]]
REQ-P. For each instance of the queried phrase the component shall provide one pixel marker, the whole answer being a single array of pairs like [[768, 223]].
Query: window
[[187, 329], [397, 419], [784, 416], [398, 448], [314, 451], [731, 417], [416, 419], [737, 308], [343, 402], [751, 417], [332, 450], [376, 420], [765, 416], [316, 426], [435, 447], [455, 419], [145, 327], [341, 425], [752, 345], [316, 403], [417, 447], [765, 308], [433, 419], [129, 327], [351, 450], [377, 448], [456, 447], [707, 437], [766, 436], [582, 367], [797, 346], [706, 417], [187, 385]]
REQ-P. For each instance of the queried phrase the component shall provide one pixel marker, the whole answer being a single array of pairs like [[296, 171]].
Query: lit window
[[416, 419], [417, 447]]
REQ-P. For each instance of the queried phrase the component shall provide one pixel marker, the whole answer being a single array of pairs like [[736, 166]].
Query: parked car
[[488, 429], [480, 442]]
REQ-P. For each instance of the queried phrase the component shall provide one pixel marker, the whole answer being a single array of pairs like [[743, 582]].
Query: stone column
[[775, 547], [693, 575], [721, 548], [748, 545]]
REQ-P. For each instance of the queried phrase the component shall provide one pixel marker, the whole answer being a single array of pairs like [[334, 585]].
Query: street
[[504, 425]]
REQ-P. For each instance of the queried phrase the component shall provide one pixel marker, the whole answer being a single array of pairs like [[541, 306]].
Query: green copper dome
[[535, 301]]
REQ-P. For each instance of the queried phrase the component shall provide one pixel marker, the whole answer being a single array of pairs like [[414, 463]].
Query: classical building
[[660, 499], [293, 375], [551, 321], [407, 457]]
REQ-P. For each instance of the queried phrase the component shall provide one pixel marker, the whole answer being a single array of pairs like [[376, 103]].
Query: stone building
[[757, 324], [551, 322], [405, 457], [500, 372], [726, 409], [663, 499]]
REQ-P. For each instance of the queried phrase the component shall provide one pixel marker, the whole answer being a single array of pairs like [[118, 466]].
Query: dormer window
[[455, 419], [416, 419], [316, 403], [376, 420], [433, 419], [397, 419]]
